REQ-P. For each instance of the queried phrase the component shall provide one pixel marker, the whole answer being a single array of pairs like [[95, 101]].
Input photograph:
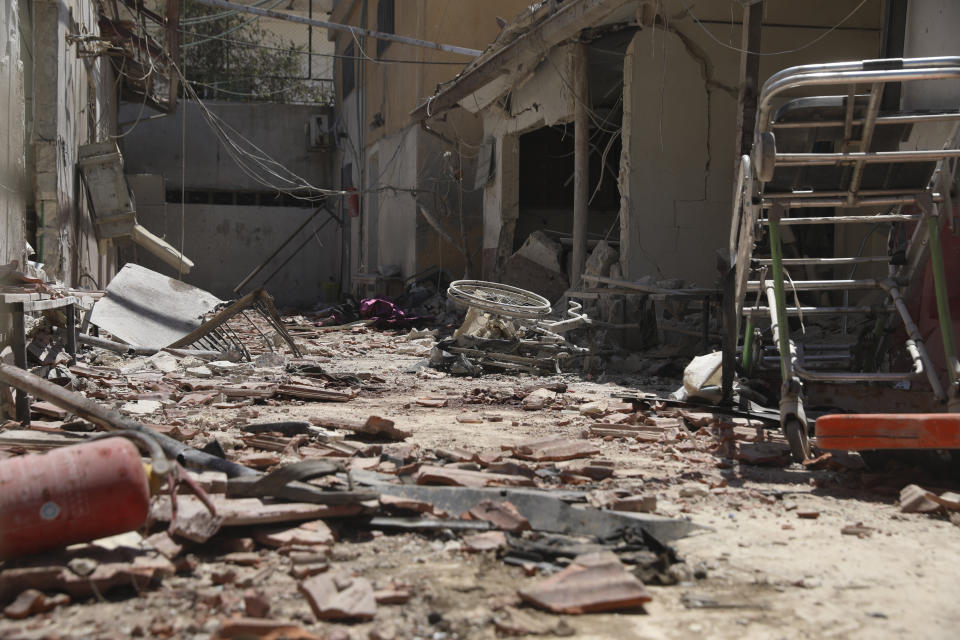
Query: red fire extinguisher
[[69, 495]]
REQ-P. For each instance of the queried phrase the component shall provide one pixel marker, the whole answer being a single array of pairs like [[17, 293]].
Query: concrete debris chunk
[[28, 603], [592, 583], [129, 309], [433, 403], [511, 621], [601, 259], [638, 504], [916, 499], [553, 449], [336, 597], [142, 407], [374, 426]]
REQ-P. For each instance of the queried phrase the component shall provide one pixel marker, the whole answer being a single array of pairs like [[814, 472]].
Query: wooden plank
[[11, 298], [46, 305], [857, 432]]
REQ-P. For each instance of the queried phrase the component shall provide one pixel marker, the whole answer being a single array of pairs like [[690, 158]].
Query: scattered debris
[[592, 583]]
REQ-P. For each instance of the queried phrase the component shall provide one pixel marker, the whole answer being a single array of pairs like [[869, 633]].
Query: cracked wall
[[676, 171], [74, 103], [13, 188]]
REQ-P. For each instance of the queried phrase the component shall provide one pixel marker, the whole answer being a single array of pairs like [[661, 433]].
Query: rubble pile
[[313, 496]]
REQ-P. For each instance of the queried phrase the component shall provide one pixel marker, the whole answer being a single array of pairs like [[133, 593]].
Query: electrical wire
[[254, 161], [322, 55], [771, 53], [232, 29]]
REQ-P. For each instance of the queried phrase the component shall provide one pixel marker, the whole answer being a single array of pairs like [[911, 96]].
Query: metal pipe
[[746, 360], [113, 420], [826, 194], [868, 157], [804, 203], [116, 347], [762, 312], [295, 252], [913, 333], [273, 255], [777, 304], [881, 120], [815, 285], [796, 80], [942, 295], [357, 31], [826, 262], [892, 217], [866, 138]]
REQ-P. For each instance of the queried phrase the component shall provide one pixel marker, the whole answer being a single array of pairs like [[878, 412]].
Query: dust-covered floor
[[784, 551]]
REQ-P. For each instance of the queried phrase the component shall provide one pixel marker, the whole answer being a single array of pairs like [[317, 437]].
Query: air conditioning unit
[[318, 131]]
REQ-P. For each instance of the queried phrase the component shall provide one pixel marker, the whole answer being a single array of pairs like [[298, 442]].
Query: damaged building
[[389, 319]]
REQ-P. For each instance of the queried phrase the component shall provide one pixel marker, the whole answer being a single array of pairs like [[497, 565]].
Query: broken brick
[[355, 601], [554, 449], [502, 515], [466, 478], [597, 582]]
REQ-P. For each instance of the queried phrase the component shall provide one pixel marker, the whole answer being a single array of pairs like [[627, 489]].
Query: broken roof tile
[[588, 585]]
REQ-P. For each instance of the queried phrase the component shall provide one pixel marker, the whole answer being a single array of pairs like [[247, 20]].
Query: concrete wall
[[680, 110], [74, 103], [227, 242], [154, 146], [931, 30], [60, 101], [13, 188]]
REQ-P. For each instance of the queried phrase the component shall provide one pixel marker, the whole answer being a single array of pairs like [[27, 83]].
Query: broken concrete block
[[638, 504], [163, 361], [537, 267], [601, 259], [554, 449], [28, 603], [543, 250], [916, 499]]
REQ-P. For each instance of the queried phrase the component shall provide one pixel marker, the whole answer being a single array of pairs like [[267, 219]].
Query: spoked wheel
[[796, 433], [497, 298]]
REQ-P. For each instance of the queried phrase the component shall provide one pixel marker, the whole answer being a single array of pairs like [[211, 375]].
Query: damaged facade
[[418, 207], [661, 96], [61, 91], [402, 450]]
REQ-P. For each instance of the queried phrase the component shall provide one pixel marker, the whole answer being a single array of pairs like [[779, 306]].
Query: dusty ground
[[756, 570]]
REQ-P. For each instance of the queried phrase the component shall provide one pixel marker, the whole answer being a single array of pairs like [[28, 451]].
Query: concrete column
[[581, 159]]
